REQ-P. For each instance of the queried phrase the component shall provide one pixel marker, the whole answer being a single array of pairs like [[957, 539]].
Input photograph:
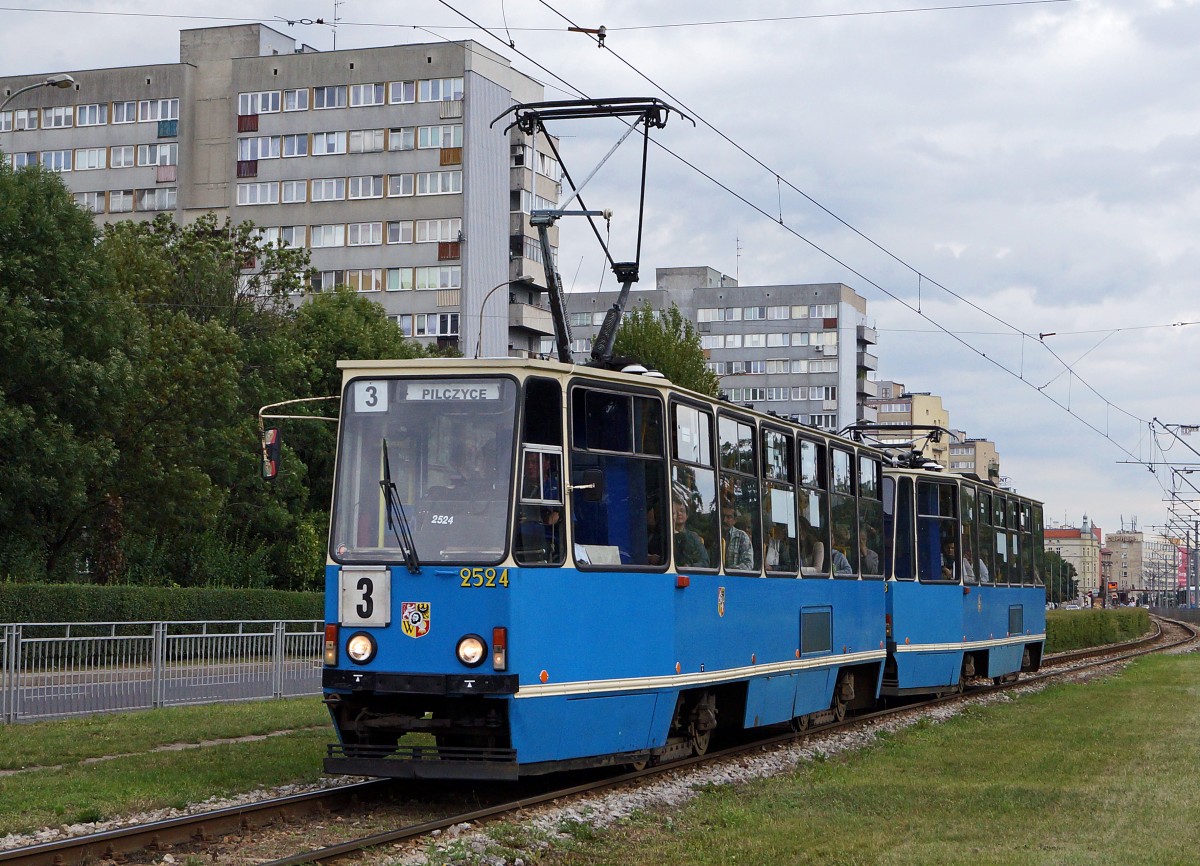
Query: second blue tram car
[[964, 598]]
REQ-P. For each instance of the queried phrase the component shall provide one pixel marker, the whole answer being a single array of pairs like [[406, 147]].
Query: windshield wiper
[[397, 521]]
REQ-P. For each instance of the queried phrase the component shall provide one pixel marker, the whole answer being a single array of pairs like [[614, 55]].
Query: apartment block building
[[383, 162], [1127, 559], [800, 351]]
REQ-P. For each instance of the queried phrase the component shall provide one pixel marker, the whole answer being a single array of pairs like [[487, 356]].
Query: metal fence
[[52, 670]]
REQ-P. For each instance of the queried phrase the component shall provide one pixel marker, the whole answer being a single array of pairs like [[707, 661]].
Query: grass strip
[[1096, 773], [69, 741]]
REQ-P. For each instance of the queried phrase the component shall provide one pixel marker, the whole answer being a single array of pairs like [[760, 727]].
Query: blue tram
[[965, 598], [541, 566]]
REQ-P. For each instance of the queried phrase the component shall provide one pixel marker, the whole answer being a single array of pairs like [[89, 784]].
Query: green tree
[[1059, 577], [60, 336], [667, 342]]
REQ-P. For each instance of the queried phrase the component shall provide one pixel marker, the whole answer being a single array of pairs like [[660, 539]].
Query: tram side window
[[1026, 545], [1039, 545], [899, 497], [812, 521], [741, 526], [539, 533], [999, 507], [618, 476], [985, 563], [870, 513], [694, 514], [779, 503], [937, 532], [1014, 542], [844, 514], [970, 561]]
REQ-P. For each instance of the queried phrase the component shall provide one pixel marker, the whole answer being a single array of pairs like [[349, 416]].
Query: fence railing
[[51, 670]]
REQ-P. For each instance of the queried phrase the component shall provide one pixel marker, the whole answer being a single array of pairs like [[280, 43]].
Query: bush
[[1076, 629], [88, 603]]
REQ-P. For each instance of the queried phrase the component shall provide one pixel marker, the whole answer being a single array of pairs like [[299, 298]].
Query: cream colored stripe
[[674, 681], [966, 645]]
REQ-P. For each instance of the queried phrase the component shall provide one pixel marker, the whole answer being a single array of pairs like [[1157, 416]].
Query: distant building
[[977, 457], [383, 162], [801, 351], [1080, 546], [897, 406], [1127, 569]]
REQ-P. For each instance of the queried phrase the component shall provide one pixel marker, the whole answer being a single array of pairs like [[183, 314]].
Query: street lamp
[[59, 79], [526, 279]]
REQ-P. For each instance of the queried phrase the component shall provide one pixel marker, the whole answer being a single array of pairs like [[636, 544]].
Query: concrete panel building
[[896, 406], [1081, 547], [382, 161], [802, 351]]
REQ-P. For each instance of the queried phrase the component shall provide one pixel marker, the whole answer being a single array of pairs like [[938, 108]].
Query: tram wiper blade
[[397, 520]]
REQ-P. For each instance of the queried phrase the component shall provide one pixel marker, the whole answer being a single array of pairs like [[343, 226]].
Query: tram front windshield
[[449, 445]]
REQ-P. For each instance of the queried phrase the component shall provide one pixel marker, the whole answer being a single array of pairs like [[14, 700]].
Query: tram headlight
[[471, 650], [360, 648]]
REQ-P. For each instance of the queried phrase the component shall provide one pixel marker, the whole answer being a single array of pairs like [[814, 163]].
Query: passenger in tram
[[949, 559], [689, 547], [841, 544], [868, 555], [778, 553], [739, 553], [812, 551], [973, 566]]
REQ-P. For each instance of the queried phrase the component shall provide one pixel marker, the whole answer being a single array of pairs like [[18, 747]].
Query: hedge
[[58, 602], [1076, 629]]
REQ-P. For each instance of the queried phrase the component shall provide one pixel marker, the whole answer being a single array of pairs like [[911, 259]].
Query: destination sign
[[448, 392]]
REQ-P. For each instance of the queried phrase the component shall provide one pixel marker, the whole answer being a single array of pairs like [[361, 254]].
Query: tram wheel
[[800, 724]]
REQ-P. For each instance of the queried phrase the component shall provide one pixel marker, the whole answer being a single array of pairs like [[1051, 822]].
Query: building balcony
[[247, 123], [868, 388], [527, 317], [168, 129], [867, 361], [867, 413], [867, 334]]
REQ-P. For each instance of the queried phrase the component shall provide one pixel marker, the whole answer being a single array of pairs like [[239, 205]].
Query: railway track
[[196, 832]]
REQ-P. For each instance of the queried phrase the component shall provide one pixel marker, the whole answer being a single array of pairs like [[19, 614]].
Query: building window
[[288, 236], [779, 313], [400, 280], [823, 311], [294, 145], [325, 281], [580, 320], [799, 366], [547, 165], [432, 137], [400, 184], [88, 158], [401, 138], [328, 189], [154, 110], [121, 156], [400, 232], [754, 314], [332, 96], [263, 102], [57, 160], [710, 314], [712, 341], [774, 340], [93, 201], [799, 311], [95, 114], [825, 422], [429, 231], [259, 147], [158, 154], [258, 193], [292, 191], [366, 140], [364, 234], [439, 89], [439, 182], [402, 91], [366, 94], [756, 367], [295, 100], [58, 118], [120, 201], [22, 118], [124, 112], [800, 338], [327, 236], [435, 325], [156, 199], [366, 186], [825, 338], [365, 279], [324, 143], [438, 277]]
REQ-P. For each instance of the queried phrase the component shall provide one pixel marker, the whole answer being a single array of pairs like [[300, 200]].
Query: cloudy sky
[[983, 174]]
